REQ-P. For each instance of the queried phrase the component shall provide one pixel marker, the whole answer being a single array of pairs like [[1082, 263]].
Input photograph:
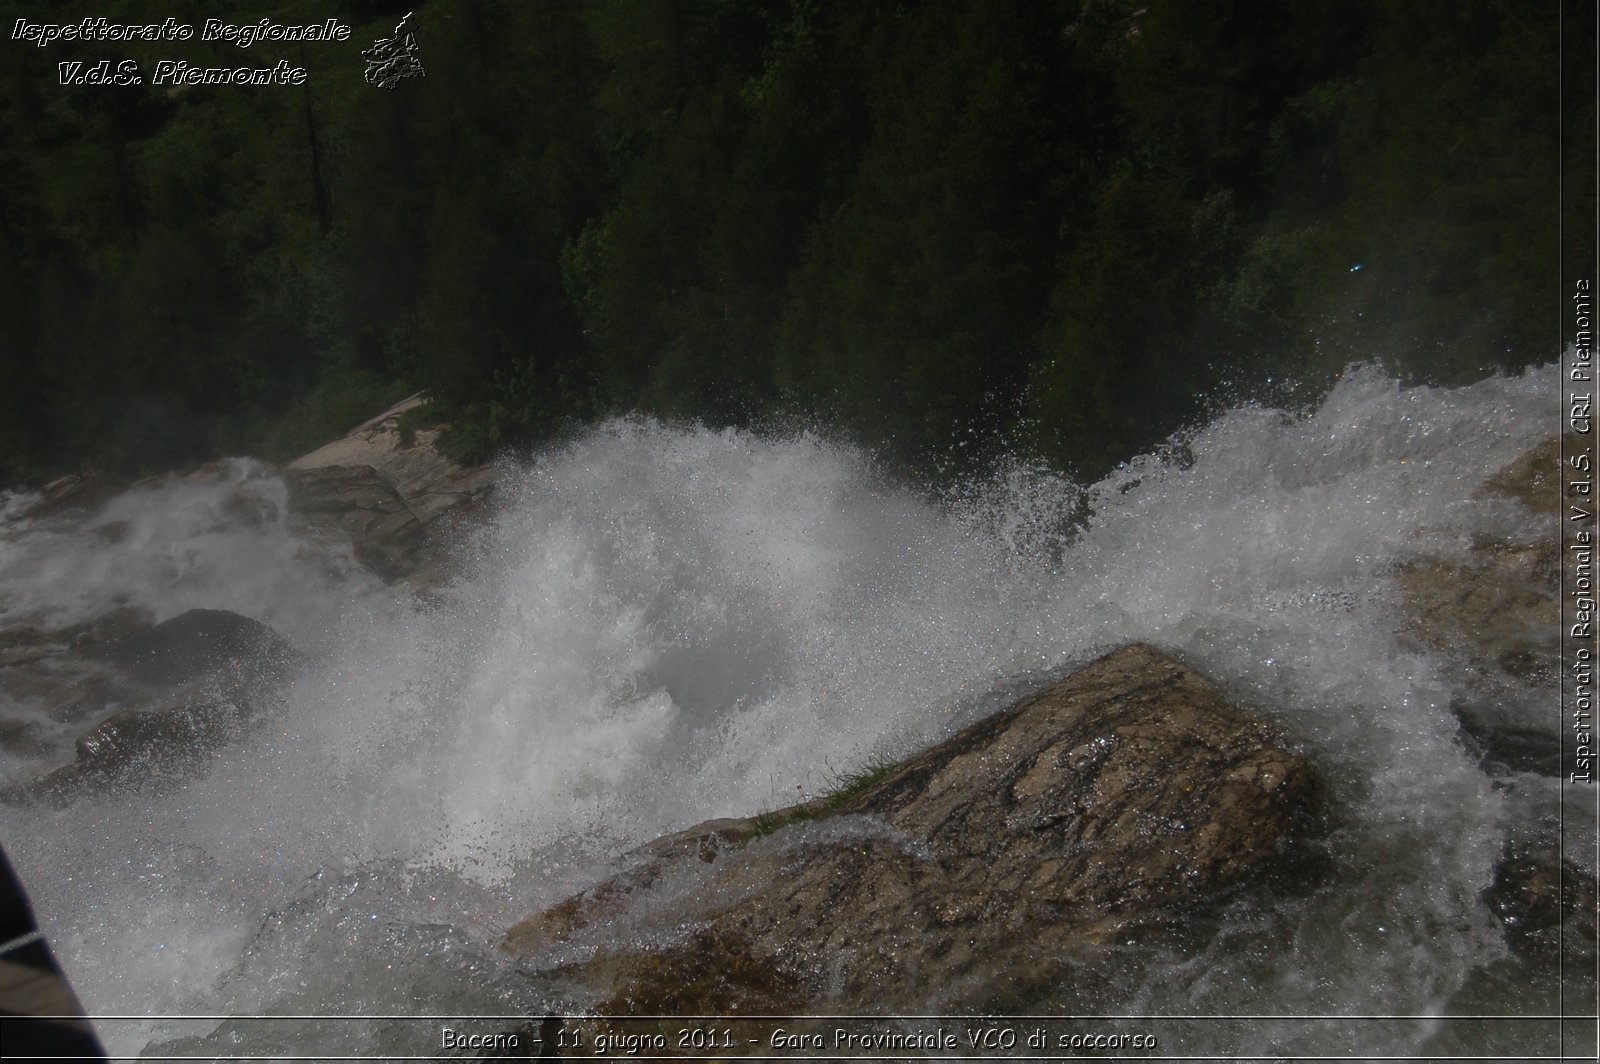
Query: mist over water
[[662, 625]]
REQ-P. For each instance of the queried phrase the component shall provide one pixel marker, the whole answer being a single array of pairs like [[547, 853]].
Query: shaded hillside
[[936, 226]]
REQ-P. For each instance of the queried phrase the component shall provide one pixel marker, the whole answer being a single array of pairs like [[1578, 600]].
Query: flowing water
[[661, 625]]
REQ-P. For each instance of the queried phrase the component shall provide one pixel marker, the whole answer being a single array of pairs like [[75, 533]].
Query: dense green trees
[[944, 227]]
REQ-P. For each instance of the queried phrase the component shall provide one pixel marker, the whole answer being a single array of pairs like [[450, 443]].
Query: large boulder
[[1114, 800]]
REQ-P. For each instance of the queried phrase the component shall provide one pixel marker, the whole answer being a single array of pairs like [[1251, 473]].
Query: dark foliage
[[943, 227]]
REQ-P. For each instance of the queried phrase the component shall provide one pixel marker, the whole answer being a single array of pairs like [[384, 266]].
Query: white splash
[[664, 625]]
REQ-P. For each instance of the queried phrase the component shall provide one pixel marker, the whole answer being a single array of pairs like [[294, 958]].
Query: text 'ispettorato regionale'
[[169, 72]]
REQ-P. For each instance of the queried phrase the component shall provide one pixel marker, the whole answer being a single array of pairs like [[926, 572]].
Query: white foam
[[670, 624]]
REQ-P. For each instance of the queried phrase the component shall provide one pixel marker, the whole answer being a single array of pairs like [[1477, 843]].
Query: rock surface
[[74, 493], [357, 501], [143, 747], [1501, 603], [52, 672], [181, 689], [165, 695], [1538, 891], [1109, 802], [1533, 479], [392, 493], [1497, 609], [195, 643]]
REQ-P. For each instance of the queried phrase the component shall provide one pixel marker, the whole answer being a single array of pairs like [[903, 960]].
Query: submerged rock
[[1109, 802], [1496, 610], [49, 678]]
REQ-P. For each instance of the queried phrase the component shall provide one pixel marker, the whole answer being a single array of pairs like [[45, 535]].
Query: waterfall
[[659, 625]]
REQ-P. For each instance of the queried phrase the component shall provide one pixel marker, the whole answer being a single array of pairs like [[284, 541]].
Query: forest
[[951, 230]]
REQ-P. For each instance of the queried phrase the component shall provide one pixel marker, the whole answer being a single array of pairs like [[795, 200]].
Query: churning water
[[662, 625]]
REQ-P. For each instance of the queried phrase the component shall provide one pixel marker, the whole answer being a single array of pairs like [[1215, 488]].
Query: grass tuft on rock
[[847, 786]]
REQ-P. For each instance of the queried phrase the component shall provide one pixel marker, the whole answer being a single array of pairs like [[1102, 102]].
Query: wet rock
[[201, 671], [1539, 891], [14, 656], [51, 669], [75, 493], [54, 692], [139, 747], [31, 641], [87, 695], [134, 736], [108, 628], [1502, 600], [1504, 748], [354, 498], [1117, 799], [1501, 604], [1534, 479], [197, 643], [20, 737], [1496, 610]]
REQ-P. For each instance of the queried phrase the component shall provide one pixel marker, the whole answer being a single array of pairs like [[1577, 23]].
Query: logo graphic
[[393, 59]]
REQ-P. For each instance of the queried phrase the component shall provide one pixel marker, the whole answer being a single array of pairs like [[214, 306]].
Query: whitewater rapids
[[660, 625]]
